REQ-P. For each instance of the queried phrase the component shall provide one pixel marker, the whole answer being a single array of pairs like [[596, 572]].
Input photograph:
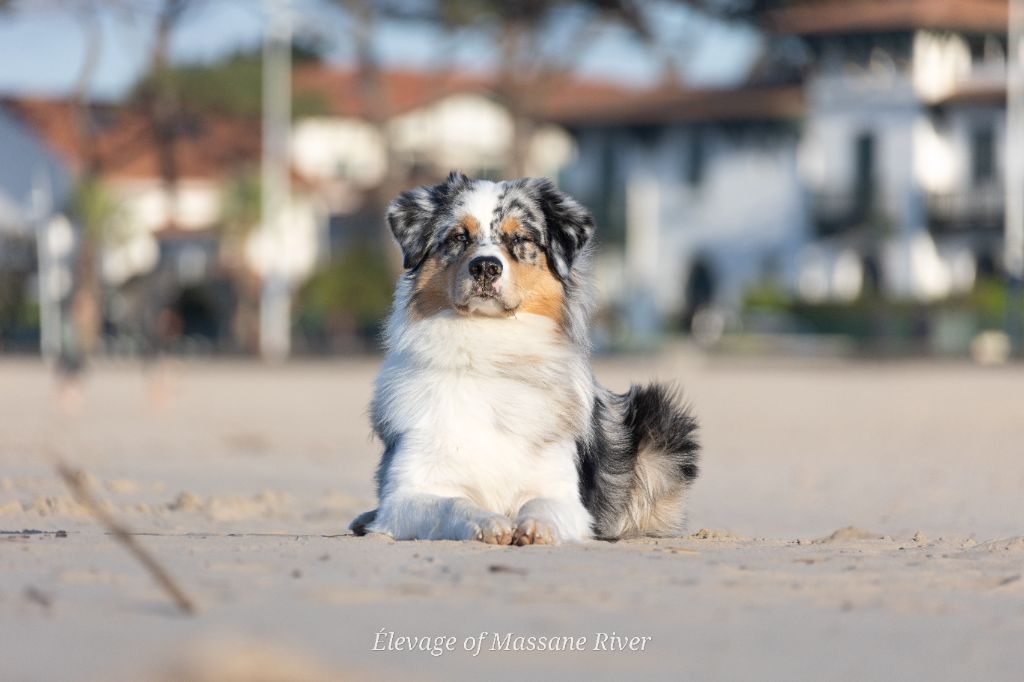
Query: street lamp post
[[48, 268], [1014, 241], [275, 299]]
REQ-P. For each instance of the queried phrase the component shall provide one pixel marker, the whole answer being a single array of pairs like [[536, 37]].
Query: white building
[[27, 167], [160, 238], [165, 240], [876, 163], [422, 123], [34, 247]]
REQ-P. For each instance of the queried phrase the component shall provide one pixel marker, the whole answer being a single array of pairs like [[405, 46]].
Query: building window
[[609, 204], [976, 44], [983, 168], [696, 160], [864, 182]]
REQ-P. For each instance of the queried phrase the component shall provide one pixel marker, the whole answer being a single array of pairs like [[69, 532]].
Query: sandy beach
[[852, 521]]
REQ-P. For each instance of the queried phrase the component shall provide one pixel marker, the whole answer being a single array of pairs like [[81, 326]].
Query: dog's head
[[489, 248]]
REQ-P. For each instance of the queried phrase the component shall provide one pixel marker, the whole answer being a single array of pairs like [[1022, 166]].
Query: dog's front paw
[[531, 531], [361, 524], [495, 529]]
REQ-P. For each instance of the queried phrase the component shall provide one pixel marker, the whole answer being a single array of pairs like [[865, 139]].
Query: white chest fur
[[487, 409]]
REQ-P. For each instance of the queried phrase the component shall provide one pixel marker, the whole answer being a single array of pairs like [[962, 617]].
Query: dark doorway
[[983, 165], [864, 181], [872, 282], [700, 291], [196, 311]]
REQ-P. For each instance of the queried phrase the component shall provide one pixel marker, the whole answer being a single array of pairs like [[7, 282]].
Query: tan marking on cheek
[[541, 291], [431, 294]]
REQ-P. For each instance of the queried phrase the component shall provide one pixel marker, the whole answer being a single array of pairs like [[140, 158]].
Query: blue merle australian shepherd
[[493, 426]]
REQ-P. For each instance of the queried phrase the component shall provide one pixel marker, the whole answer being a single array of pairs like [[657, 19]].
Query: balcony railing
[[841, 212], [978, 210], [961, 211]]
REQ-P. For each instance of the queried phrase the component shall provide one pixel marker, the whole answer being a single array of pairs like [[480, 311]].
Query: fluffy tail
[[635, 480]]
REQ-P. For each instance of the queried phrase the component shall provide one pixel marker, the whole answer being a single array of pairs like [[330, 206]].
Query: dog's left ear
[[412, 216], [569, 225]]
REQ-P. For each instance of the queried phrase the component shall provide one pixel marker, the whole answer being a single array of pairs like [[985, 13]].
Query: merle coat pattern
[[493, 425]]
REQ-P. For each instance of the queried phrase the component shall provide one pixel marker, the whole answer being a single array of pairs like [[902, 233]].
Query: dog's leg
[[548, 521], [360, 525], [420, 516]]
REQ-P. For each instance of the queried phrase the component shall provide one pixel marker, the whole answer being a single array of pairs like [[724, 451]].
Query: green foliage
[[767, 297], [19, 313], [232, 86], [242, 204], [860, 319], [97, 212], [306, 104], [989, 301], [468, 12], [15, 308], [351, 294], [872, 316]]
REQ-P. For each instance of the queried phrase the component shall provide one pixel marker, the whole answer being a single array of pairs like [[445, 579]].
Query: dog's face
[[489, 249]]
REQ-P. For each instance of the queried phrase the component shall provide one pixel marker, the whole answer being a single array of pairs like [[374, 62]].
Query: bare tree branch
[[76, 482]]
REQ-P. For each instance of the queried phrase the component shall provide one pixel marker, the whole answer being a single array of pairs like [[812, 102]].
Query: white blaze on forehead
[[481, 202]]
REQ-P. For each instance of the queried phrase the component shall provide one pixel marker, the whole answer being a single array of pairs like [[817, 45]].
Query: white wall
[[747, 214], [842, 108], [149, 207], [461, 131], [329, 149], [958, 131], [467, 131], [198, 205], [753, 211], [943, 64]]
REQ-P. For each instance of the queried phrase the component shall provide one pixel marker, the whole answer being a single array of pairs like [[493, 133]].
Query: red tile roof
[[125, 145], [681, 105], [564, 99], [216, 146], [405, 90], [402, 91], [210, 146], [983, 95], [866, 16]]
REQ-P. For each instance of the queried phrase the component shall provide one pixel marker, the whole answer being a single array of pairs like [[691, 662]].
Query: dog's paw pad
[[534, 532], [495, 530]]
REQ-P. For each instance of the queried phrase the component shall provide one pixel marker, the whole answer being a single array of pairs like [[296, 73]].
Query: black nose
[[485, 268]]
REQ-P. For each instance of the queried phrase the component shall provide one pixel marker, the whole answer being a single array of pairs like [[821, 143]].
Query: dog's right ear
[[413, 216]]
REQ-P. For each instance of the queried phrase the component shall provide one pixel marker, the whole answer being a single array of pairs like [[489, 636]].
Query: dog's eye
[[459, 238], [519, 239]]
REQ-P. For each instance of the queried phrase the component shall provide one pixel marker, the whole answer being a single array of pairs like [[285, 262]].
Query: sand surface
[[852, 521]]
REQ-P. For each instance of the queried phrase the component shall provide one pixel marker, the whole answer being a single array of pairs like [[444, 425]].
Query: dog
[[494, 428]]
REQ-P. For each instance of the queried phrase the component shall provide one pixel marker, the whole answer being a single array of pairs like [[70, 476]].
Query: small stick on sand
[[75, 480]]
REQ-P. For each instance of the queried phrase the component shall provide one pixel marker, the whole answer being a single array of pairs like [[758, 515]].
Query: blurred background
[[187, 186], [200, 177]]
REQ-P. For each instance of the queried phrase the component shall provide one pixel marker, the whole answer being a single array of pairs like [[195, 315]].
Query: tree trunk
[[372, 91], [86, 298], [162, 107], [513, 95]]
